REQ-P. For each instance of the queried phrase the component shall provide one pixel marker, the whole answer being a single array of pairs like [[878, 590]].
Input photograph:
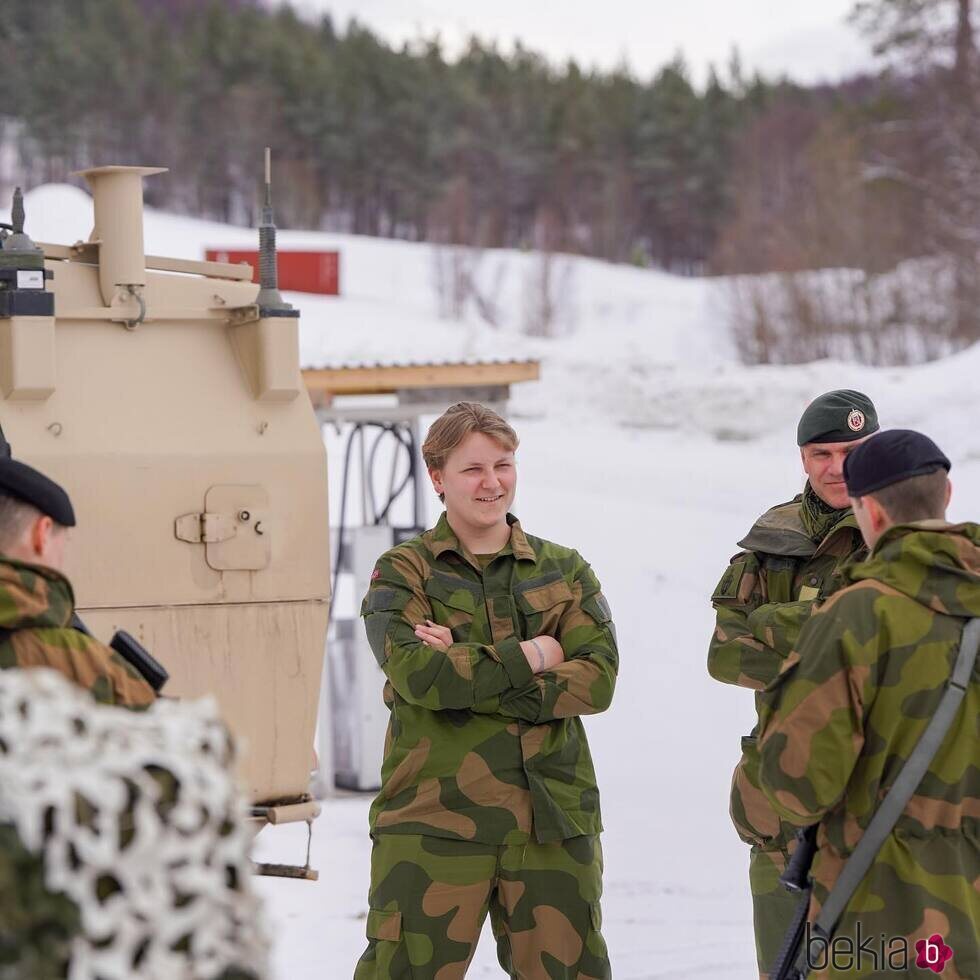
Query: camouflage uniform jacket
[[845, 713], [763, 599], [36, 606], [479, 748]]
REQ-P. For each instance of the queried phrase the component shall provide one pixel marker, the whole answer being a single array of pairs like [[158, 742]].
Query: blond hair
[[455, 424]]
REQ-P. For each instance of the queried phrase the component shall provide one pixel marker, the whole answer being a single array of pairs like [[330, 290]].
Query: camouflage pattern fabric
[[843, 716], [430, 896], [479, 748], [37, 925], [123, 840], [36, 606], [762, 601]]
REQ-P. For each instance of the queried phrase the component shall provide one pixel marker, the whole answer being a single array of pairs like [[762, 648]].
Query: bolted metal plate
[[236, 520]]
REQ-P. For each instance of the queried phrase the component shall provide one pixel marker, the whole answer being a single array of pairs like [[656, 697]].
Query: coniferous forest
[[487, 148]]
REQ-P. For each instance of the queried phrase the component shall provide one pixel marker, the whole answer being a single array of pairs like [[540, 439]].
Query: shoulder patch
[[727, 587], [598, 608], [383, 599]]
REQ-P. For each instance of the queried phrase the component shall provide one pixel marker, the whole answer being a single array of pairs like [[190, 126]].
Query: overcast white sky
[[807, 39]]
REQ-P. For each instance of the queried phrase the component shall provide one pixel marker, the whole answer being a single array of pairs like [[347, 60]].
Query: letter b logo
[[932, 953]]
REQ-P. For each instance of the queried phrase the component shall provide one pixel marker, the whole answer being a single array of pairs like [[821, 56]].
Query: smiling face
[[479, 480], [823, 463]]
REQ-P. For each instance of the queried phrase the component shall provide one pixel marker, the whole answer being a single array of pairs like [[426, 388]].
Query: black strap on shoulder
[[904, 787]]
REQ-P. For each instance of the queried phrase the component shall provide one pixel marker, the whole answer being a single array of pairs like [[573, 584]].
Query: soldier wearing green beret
[[843, 729], [37, 604], [792, 558]]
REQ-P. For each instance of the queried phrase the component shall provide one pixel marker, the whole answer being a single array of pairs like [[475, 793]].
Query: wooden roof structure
[[324, 384]]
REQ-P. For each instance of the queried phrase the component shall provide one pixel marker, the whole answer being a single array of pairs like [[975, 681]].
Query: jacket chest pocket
[[541, 604], [454, 603], [780, 573], [818, 581]]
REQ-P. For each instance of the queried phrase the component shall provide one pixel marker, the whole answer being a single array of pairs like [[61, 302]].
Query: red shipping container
[[301, 272]]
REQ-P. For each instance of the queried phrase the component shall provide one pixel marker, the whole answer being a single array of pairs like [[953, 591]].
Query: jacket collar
[[33, 596], [442, 538]]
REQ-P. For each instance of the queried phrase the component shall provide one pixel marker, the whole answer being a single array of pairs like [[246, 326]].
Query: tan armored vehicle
[[166, 396]]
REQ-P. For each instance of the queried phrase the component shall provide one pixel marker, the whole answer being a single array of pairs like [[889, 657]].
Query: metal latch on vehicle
[[209, 528], [234, 528]]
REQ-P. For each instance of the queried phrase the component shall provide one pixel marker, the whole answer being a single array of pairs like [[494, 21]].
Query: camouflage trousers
[[430, 896], [773, 907]]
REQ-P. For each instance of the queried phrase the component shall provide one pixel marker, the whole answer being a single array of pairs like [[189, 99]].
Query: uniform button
[[813, 580]]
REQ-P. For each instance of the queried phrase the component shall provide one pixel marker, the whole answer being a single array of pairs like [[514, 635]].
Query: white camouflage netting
[[102, 770]]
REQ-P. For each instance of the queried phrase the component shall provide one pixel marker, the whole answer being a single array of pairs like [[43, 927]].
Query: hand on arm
[[542, 652], [752, 635], [427, 668], [582, 661]]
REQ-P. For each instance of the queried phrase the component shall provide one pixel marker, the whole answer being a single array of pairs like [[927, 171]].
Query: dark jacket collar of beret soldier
[[442, 538], [782, 530]]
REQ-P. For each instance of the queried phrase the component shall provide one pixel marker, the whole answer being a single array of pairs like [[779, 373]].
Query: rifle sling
[[902, 790]]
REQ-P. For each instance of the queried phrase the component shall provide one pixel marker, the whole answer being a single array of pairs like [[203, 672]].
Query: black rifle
[[796, 878], [134, 653]]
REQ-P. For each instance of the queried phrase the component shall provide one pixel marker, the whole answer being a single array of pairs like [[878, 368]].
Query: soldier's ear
[[949, 491], [880, 518], [40, 535], [436, 477]]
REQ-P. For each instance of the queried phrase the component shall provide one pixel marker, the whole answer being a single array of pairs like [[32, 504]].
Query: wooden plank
[[385, 380], [88, 252]]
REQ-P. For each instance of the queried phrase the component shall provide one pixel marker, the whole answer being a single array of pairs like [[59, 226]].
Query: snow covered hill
[[651, 450]]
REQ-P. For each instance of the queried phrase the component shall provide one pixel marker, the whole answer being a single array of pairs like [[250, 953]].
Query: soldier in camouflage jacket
[[489, 798], [36, 600], [844, 714], [793, 557], [36, 608]]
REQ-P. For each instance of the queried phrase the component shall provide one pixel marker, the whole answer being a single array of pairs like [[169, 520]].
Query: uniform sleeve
[[752, 636], [583, 684], [460, 677], [811, 724]]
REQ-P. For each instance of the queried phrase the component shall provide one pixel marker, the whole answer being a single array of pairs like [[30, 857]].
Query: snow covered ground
[[651, 450]]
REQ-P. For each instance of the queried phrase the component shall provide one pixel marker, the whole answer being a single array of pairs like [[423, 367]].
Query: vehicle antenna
[[269, 298]]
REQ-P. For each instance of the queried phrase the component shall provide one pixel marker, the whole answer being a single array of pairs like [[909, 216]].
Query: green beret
[[837, 416]]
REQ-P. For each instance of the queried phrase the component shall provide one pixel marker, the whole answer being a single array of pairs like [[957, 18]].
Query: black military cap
[[837, 416], [26, 483], [890, 457]]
